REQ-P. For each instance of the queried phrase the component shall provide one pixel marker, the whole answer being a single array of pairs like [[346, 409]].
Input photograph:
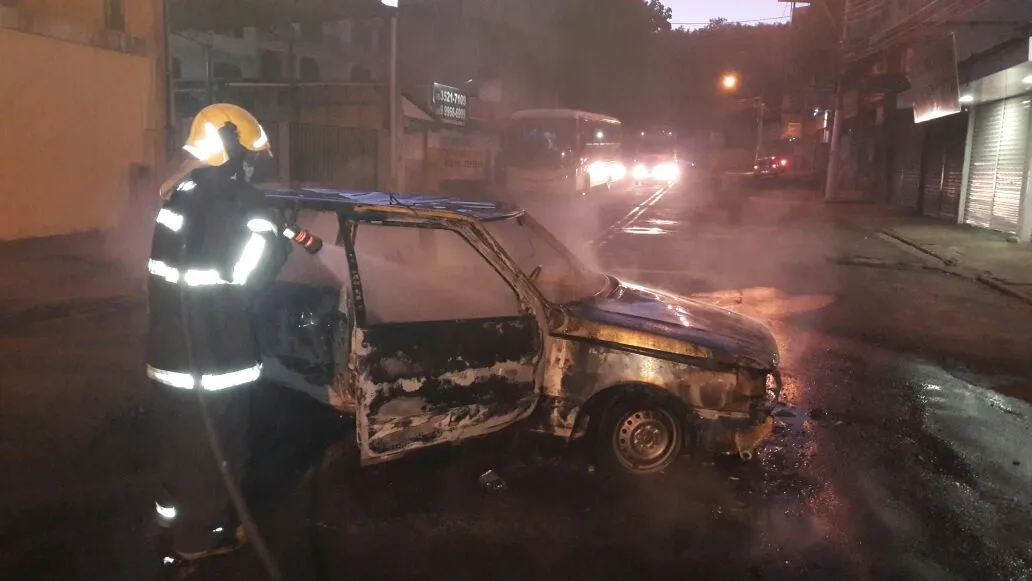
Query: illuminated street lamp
[[729, 82]]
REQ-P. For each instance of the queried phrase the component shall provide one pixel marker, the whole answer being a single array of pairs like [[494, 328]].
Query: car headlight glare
[[666, 172]]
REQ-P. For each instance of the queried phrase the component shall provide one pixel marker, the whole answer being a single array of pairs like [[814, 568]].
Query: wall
[[139, 14], [65, 156], [334, 50]]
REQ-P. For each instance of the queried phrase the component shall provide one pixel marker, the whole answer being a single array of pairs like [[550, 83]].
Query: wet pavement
[[898, 453]]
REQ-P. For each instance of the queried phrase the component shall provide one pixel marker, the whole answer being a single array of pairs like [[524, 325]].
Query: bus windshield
[[541, 143], [654, 147]]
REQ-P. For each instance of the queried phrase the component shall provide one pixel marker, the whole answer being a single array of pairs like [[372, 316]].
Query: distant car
[[771, 166], [654, 166]]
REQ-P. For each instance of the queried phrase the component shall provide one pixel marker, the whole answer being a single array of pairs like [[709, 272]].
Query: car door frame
[[475, 235]]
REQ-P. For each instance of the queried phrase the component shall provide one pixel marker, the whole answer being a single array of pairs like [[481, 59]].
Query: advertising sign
[[934, 83], [448, 104]]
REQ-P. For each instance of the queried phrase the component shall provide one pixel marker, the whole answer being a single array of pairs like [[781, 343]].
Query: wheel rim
[[645, 439]]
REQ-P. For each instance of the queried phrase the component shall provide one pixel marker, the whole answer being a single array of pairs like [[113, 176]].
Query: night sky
[[701, 11]]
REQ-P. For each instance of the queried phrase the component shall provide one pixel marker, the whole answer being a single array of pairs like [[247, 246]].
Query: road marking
[[627, 220]]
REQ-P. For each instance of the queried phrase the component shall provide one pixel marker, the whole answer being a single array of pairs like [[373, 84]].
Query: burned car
[[435, 320]]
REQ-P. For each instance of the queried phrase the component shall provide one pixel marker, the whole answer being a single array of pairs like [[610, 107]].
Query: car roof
[[366, 202]]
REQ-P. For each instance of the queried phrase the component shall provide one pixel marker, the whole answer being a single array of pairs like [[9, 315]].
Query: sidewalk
[[53, 277], [982, 255]]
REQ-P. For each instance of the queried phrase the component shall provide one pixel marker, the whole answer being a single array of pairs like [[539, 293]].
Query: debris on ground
[[818, 413], [493, 482]]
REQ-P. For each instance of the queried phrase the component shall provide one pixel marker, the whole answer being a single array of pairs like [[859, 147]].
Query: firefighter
[[214, 246]]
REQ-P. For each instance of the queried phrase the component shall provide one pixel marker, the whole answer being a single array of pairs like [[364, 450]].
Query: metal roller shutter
[[1010, 166], [906, 160], [943, 167], [934, 158], [998, 152], [952, 174]]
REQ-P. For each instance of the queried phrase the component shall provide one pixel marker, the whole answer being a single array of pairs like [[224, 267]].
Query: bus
[[561, 152]]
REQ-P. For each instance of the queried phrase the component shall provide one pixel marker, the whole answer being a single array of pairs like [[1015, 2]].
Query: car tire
[[638, 436]]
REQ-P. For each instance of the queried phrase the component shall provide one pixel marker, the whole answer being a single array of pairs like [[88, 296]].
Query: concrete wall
[[76, 121], [89, 14]]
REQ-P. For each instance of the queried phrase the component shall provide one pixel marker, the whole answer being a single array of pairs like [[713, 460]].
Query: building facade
[[319, 89], [497, 53], [82, 136], [935, 108]]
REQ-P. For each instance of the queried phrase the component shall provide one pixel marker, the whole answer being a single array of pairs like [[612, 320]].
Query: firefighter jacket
[[215, 243]]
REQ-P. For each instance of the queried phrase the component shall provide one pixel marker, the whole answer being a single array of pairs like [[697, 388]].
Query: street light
[[729, 82]]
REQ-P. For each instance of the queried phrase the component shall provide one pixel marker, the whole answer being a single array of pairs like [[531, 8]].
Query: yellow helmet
[[204, 141]]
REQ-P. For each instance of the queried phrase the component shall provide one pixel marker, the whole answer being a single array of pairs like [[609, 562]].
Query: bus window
[[599, 133], [540, 143]]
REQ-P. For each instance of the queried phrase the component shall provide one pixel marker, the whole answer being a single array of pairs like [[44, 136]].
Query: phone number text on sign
[[450, 104], [454, 113]]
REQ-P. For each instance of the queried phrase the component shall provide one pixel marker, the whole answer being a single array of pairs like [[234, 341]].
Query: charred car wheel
[[639, 437]]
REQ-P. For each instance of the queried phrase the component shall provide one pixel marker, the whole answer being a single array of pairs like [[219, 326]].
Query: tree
[[605, 48], [699, 58], [659, 17]]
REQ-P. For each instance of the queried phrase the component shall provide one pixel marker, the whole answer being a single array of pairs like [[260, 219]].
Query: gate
[[334, 156]]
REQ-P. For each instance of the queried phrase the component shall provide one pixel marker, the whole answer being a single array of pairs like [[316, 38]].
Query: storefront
[[928, 136], [942, 166], [996, 181]]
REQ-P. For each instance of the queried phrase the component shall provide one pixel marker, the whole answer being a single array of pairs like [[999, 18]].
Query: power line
[[734, 22]]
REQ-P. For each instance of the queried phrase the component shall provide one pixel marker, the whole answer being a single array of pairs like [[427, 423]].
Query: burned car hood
[[727, 336]]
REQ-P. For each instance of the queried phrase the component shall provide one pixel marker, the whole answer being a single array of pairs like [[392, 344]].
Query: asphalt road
[[896, 455]]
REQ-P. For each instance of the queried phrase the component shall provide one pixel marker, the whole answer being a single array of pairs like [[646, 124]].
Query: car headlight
[[666, 172], [640, 172], [598, 170]]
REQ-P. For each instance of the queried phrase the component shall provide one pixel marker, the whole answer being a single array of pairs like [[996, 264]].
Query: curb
[[986, 279], [12, 320]]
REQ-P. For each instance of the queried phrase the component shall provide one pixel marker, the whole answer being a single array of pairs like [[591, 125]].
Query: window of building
[[309, 69], [311, 31], [225, 70], [361, 35], [270, 66], [414, 275], [360, 74], [177, 68], [114, 15]]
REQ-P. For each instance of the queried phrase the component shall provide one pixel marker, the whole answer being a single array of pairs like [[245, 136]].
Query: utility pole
[[831, 179], [392, 90], [759, 129]]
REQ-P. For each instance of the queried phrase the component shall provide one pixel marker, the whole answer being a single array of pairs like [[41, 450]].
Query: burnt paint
[[580, 369], [426, 377], [712, 332]]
